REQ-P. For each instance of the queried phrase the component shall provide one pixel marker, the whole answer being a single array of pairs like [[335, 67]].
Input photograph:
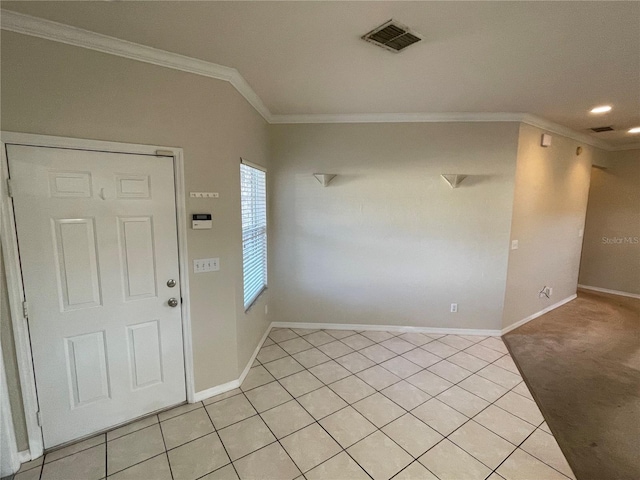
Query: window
[[253, 191]]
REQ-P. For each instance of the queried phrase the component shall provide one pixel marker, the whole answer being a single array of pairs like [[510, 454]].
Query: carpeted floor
[[582, 364]]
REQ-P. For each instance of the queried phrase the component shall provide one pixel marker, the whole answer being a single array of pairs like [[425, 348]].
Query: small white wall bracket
[[324, 178], [453, 179]]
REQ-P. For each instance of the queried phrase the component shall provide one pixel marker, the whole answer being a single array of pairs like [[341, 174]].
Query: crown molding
[[58, 32], [446, 117], [552, 127], [621, 148], [449, 117], [543, 124], [78, 37]]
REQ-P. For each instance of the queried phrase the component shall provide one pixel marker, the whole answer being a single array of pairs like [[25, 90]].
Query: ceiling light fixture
[[634, 130], [602, 109]]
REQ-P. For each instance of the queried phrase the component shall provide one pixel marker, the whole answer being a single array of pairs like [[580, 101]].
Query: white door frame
[[14, 271], [9, 459]]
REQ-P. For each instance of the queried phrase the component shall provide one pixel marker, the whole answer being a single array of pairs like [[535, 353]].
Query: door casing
[[13, 269]]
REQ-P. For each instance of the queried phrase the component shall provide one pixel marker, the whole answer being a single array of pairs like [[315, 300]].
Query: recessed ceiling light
[[601, 109], [634, 130]]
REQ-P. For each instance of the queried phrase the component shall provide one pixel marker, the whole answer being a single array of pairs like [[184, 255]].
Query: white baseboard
[[612, 292], [538, 314], [217, 390], [24, 456], [388, 328], [225, 387], [255, 354]]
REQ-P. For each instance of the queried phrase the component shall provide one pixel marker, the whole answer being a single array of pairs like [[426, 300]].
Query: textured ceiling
[[555, 60]]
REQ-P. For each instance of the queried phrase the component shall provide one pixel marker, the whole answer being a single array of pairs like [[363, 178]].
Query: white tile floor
[[339, 405]]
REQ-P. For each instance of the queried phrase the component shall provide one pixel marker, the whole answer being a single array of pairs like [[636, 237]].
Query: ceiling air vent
[[602, 129], [392, 36]]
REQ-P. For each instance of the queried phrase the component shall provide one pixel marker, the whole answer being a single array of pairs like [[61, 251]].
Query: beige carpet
[[582, 364]]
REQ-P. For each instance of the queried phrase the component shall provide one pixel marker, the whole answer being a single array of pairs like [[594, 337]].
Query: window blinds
[[253, 190]]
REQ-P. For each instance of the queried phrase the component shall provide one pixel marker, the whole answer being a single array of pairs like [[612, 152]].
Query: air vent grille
[[392, 36], [602, 129]]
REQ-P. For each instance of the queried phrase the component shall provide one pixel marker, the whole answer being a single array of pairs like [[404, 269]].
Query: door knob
[[171, 283], [173, 302]]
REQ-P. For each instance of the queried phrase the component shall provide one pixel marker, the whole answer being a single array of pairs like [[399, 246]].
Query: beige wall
[[611, 250], [10, 363], [388, 242], [549, 207], [55, 89]]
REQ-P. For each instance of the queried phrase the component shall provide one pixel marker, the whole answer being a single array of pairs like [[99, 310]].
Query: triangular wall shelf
[[324, 178], [453, 179]]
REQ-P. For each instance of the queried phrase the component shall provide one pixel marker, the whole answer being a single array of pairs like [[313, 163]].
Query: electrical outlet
[[206, 265], [514, 244], [266, 309], [454, 308]]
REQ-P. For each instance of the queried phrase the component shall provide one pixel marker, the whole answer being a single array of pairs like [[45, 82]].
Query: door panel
[[87, 368], [98, 242], [77, 263], [145, 354], [137, 254]]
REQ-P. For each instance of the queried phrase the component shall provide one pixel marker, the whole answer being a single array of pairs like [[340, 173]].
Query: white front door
[[97, 238]]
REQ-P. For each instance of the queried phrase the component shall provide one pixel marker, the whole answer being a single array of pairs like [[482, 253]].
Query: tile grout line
[[414, 459], [106, 441], [401, 379], [424, 368], [215, 430], [551, 466], [434, 396], [407, 411], [106, 456], [330, 358], [316, 421], [324, 384], [288, 354], [274, 435], [166, 452]]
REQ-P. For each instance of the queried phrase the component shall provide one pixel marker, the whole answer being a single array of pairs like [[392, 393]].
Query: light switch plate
[[203, 194], [514, 244], [204, 265]]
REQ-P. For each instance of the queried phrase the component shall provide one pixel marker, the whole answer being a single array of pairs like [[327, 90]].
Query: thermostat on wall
[[201, 221]]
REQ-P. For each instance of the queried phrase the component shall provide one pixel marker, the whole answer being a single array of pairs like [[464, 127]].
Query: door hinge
[[39, 417], [9, 188], [25, 310]]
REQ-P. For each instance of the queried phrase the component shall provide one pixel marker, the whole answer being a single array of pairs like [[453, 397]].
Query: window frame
[[248, 305]]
